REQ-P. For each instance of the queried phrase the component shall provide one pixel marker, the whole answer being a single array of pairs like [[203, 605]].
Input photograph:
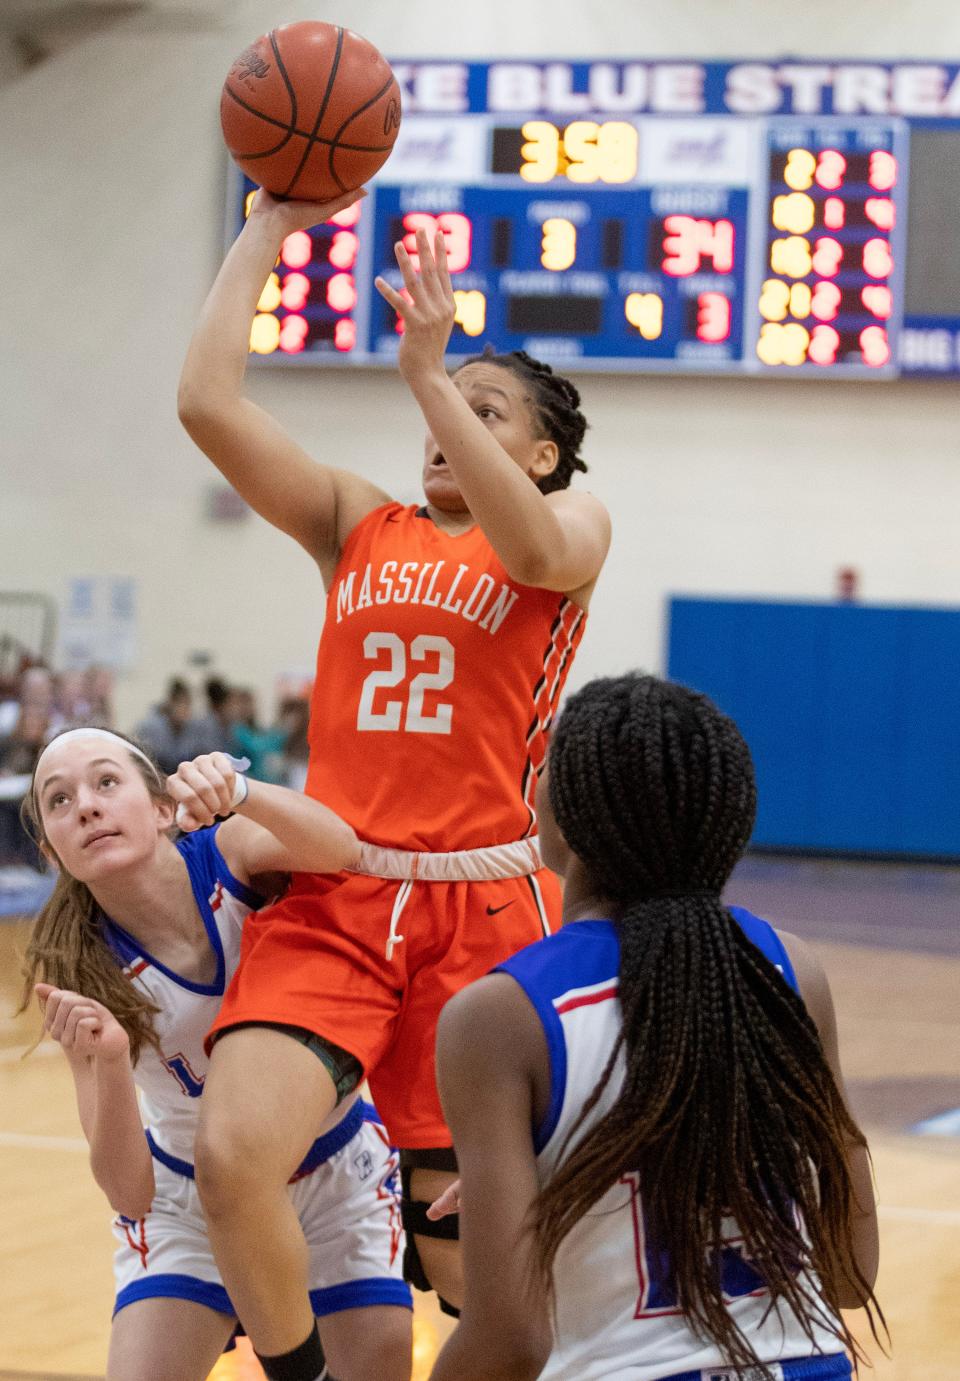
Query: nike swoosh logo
[[492, 910]]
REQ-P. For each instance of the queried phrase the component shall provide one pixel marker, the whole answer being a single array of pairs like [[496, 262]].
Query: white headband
[[97, 733]]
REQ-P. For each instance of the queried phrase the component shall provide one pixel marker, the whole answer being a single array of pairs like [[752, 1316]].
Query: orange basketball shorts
[[368, 963]]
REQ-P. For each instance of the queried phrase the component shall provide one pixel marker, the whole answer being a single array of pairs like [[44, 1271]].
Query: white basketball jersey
[[171, 1082], [616, 1313]]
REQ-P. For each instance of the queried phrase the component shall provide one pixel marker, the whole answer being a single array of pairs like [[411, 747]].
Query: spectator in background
[[215, 730], [263, 747], [168, 730], [294, 718], [19, 752]]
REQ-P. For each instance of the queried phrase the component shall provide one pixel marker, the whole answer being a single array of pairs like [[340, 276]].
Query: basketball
[[310, 110]]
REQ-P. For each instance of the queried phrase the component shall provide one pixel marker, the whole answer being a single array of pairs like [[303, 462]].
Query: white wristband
[[240, 787]]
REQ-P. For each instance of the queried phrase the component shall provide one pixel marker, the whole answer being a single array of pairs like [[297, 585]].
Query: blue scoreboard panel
[[751, 218]]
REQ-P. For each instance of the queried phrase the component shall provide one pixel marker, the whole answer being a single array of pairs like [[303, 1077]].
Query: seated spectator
[[215, 729], [168, 730], [263, 747], [294, 718]]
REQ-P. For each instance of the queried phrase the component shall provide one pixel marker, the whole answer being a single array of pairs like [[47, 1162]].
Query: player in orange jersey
[[449, 631]]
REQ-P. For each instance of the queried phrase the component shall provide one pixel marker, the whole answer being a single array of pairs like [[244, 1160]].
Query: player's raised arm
[[556, 540], [98, 1052], [315, 504]]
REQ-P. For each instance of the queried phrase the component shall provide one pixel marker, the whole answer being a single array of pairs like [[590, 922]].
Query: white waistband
[[464, 865]]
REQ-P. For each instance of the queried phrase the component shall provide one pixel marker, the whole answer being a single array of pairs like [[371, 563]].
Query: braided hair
[[556, 401], [728, 1107]]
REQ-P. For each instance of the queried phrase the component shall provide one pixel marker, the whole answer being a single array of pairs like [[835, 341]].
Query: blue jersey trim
[[179, 1167], [351, 1294], [762, 934], [239, 889], [173, 1286], [320, 1152], [361, 1294], [201, 856], [835, 1367], [587, 953]]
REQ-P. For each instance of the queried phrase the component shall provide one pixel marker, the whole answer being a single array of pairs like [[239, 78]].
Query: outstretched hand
[[81, 1025], [426, 306], [294, 215]]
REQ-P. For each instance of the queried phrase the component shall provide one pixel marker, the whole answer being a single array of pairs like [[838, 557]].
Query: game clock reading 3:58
[[629, 237]]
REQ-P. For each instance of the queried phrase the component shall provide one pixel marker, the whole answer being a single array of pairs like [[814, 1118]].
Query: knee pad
[[413, 1213]]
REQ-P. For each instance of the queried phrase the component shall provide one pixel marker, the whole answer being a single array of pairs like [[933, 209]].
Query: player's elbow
[[531, 567], [523, 1352], [130, 1199], [195, 408]]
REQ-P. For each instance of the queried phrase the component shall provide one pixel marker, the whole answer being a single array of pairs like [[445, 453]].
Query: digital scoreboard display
[[800, 218]]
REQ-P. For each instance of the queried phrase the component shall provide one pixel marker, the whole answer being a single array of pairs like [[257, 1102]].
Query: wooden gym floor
[[889, 936]]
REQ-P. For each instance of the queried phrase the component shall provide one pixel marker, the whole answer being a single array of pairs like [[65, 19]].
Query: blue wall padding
[[852, 715]]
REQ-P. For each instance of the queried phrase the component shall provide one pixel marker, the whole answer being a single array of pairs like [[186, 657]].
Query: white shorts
[[348, 1206]]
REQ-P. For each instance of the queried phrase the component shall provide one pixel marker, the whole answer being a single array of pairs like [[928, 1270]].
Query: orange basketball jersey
[[437, 679]]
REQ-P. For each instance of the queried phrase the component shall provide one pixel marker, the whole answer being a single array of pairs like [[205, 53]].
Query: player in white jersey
[[134, 952], [659, 1174]]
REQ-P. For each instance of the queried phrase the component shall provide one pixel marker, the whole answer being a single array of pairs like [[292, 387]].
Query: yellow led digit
[[559, 244], [471, 311], [541, 152], [783, 344], [791, 257], [800, 299], [580, 147], [617, 146], [645, 312], [794, 212], [800, 169], [774, 299], [270, 297], [264, 334]]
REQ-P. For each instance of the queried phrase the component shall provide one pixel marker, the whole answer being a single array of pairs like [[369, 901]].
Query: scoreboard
[[749, 218]]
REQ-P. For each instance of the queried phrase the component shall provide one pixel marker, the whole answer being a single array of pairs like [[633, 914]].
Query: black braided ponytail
[[728, 1107], [557, 403]]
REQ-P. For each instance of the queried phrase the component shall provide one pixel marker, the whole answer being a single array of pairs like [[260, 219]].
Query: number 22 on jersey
[[407, 714]]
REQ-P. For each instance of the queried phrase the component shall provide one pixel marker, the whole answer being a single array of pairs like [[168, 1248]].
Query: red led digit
[[825, 302], [345, 334], [343, 250], [457, 235], [294, 292], [875, 346], [293, 334], [688, 241], [342, 292], [713, 317], [883, 170], [824, 343], [412, 222], [881, 211], [834, 213], [877, 259], [878, 300], [297, 250], [827, 256], [831, 169]]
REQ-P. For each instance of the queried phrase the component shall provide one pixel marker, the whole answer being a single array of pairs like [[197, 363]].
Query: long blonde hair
[[68, 947]]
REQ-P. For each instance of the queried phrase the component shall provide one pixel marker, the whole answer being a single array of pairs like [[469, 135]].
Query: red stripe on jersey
[[564, 636], [587, 999], [138, 967]]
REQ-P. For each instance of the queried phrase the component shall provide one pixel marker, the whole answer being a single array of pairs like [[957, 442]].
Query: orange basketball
[[310, 110]]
